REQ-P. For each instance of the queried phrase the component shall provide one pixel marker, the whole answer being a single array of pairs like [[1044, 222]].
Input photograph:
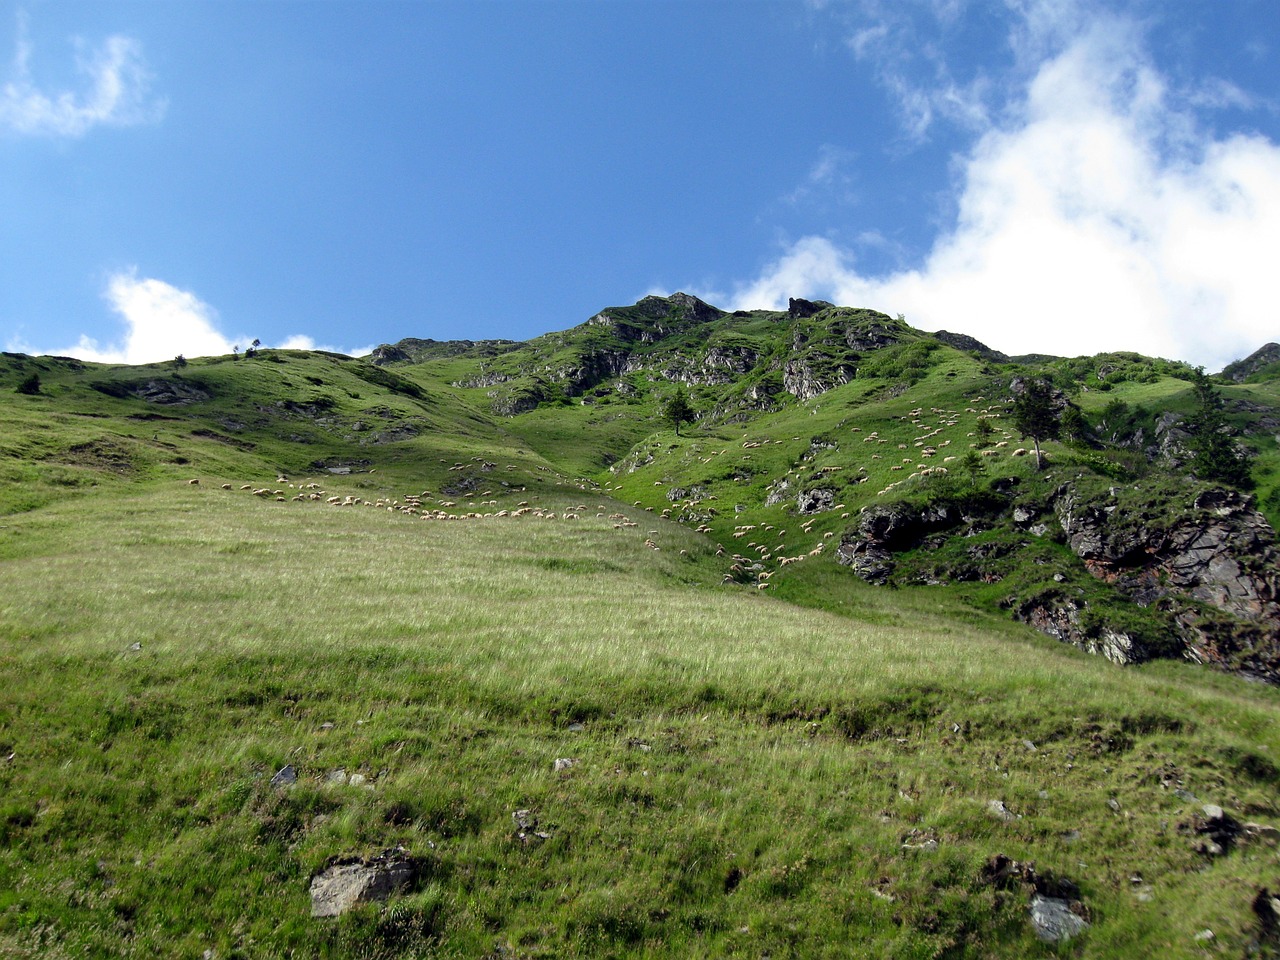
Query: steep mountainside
[[474, 629], [829, 442], [835, 422]]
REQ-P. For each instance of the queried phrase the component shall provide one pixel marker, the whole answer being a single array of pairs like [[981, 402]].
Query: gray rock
[[1212, 811], [1114, 804], [1186, 795], [998, 810], [347, 882], [1053, 920], [815, 501], [285, 777], [563, 763]]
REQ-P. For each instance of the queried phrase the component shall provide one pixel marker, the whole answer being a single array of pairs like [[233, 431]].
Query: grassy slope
[[748, 769], [729, 741]]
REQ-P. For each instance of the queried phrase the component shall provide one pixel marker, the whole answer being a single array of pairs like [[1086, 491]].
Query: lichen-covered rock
[[345, 882]]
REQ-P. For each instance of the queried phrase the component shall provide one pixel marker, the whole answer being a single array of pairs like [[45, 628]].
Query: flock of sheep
[[427, 506]]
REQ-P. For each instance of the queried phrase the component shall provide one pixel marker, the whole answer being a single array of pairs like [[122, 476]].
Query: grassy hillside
[[422, 605], [748, 776]]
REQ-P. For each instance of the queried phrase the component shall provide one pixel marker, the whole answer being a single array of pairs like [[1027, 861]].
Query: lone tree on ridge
[[677, 409], [1035, 413]]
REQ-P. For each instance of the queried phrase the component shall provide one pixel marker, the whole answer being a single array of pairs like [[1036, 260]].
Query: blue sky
[[1068, 177]]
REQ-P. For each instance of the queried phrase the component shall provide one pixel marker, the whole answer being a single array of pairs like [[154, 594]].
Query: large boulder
[[345, 882]]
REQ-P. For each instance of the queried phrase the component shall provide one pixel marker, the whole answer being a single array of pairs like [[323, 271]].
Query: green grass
[[749, 762], [747, 769]]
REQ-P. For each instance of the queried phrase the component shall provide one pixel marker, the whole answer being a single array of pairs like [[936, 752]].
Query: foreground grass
[[746, 771]]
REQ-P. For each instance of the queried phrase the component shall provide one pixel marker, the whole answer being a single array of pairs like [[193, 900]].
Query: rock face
[[1219, 552], [1209, 570], [1261, 358], [1059, 617], [347, 882], [884, 530]]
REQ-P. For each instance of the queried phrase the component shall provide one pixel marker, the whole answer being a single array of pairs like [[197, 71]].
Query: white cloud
[[1097, 216], [161, 322], [118, 91]]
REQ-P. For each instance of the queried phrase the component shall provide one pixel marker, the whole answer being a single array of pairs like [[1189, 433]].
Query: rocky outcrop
[[176, 392], [1059, 616], [1214, 565], [1220, 551], [883, 530], [1260, 359], [798, 308], [872, 332], [1208, 570], [960, 341], [417, 350], [803, 381]]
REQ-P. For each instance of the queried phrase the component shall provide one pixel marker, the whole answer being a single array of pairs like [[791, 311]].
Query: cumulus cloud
[[1097, 214], [161, 322], [117, 94]]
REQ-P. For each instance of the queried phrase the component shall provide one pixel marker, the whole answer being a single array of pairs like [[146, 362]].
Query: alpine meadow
[[677, 633]]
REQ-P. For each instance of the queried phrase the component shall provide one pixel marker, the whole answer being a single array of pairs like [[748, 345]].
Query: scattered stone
[[326, 726], [1057, 912], [1071, 836], [135, 647], [1029, 745], [1204, 936], [998, 810], [357, 780], [1217, 830], [923, 840], [338, 776], [576, 727], [1186, 796], [527, 831], [346, 882], [1054, 920], [563, 763], [1267, 834], [1114, 804], [1266, 907], [285, 777]]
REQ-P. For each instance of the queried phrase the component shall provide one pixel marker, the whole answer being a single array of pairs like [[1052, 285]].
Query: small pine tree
[[30, 386], [1214, 455], [678, 410], [1036, 415], [972, 465]]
